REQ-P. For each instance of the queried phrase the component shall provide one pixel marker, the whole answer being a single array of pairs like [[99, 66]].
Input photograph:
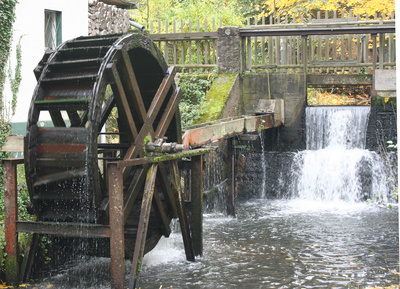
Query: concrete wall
[[29, 25], [382, 123], [290, 88]]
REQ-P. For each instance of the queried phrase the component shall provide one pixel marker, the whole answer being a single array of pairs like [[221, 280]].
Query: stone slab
[[385, 80]]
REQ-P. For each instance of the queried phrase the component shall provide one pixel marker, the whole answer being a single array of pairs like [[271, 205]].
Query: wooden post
[[197, 204], [183, 221], [10, 220], [304, 59], [373, 62], [117, 238]]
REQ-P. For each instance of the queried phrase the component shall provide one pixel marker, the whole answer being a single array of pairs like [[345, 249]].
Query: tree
[[189, 9], [310, 7]]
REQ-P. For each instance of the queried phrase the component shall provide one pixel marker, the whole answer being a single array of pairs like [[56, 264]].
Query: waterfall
[[336, 166]]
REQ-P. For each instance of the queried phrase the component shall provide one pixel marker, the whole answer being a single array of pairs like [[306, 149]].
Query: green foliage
[[194, 88], [16, 80], [190, 9], [7, 17]]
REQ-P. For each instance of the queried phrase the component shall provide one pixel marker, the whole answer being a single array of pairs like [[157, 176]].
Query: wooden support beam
[[197, 204], [373, 62], [142, 226], [117, 238], [183, 221], [10, 221], [304, 60]]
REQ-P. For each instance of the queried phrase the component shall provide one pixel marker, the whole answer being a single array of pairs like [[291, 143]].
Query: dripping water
[[264, 167]]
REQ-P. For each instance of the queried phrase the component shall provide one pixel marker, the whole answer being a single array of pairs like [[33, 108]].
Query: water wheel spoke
[[166, 187], [151, 115], [160, 95], [183, 221], [143, 225], [74, 118], [57, 118], [132, 86], [169, 113], [122, 101], [133, 191], [106, 110]]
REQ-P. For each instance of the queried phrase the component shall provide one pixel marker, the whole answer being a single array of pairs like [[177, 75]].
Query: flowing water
[[323, 235]]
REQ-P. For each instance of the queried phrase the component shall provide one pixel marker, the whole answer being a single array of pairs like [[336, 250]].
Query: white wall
[[30, 25]]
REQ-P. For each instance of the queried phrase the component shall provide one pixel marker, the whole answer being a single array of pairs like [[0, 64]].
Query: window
[[52, 29]]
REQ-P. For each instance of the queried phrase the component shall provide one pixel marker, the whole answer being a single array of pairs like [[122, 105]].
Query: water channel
[[311, 238]]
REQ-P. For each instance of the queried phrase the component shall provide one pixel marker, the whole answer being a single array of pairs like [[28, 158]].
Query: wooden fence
[[325, 53], [191, 46], [186, 45]]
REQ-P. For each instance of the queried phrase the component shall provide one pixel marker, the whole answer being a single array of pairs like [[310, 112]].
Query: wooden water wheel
[[107, 96]]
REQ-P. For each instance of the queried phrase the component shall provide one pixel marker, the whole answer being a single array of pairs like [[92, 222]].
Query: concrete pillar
[[229, 58]]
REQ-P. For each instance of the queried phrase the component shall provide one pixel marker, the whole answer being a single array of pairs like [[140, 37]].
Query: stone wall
[[106, 19], [382, 124], [290, 88]]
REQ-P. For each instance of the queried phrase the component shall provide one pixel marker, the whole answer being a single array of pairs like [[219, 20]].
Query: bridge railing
[[190, 46], [345, 53]]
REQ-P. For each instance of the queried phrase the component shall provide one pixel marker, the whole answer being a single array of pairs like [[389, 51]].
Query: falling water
[[336, 166], [264, 167]]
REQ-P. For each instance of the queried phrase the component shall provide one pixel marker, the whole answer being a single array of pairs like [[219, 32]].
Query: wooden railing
[[346, 53], [190, 46]]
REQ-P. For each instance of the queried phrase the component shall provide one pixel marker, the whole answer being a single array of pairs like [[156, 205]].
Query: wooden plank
[[381, 48], [339, 79], [182, 46], [62, 176], [174, 43], [14, 143], [62, 135], [64, 229], [61, 148]]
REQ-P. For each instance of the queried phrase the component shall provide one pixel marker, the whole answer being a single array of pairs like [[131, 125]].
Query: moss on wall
[[216, 98]]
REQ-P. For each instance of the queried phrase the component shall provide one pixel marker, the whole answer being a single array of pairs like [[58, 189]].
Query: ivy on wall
[[7, 17]]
